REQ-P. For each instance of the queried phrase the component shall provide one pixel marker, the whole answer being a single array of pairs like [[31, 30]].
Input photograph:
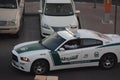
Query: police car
[[64, 49]]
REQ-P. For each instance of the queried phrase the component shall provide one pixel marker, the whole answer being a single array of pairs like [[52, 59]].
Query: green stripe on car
[[109, 45], [56, 58]]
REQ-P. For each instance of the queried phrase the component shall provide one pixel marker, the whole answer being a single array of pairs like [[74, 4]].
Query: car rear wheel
[[40, 67], [108, 61]]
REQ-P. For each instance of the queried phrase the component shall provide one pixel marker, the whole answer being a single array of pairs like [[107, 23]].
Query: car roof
[[85, 33], [82, 33], [58, 1]]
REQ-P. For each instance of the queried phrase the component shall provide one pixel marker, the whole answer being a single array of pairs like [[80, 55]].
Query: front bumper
[[9, 29], [21, 65]]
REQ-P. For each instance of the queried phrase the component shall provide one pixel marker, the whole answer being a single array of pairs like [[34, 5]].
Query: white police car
[[64, 50]]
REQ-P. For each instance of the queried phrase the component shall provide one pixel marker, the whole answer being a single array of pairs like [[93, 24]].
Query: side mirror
[[40, 11], [61, 49], [77, 12]]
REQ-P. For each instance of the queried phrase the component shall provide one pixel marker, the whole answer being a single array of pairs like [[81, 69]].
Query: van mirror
[[77, 12], [40, 11]]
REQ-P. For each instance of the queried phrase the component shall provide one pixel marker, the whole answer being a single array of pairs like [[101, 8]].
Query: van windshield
[[53, 9], [8, 4]]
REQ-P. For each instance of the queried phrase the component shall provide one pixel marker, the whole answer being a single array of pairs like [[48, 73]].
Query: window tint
[[63, 9], [72, 44], [11, 4], [90, 42]]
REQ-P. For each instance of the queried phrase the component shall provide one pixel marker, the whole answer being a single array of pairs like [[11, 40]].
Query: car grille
[[14, 57], [58, 28], [3, 23]]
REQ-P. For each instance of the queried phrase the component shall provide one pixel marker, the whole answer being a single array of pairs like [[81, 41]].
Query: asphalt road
[[30, 32]]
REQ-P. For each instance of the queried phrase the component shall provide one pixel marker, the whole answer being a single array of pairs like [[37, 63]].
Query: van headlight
[[46, 26], [12, 22]]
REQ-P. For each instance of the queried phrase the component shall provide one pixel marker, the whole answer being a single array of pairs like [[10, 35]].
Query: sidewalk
[[90, 18]]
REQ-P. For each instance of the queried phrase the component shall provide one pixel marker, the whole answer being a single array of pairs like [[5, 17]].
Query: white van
[[56, 15], [10, 16]]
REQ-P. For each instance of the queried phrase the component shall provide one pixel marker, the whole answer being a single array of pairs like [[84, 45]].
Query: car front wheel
[[40, 67]]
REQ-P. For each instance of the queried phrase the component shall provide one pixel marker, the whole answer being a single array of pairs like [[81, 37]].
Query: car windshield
[[53, 41], [8, 4], [53, 9]]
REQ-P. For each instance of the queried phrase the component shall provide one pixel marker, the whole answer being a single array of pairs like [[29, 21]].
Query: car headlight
[[46, 26], [25, 59], [12, 22]]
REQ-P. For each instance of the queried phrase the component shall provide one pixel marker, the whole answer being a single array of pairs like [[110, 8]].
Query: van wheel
[[108, 61], [40, 67]]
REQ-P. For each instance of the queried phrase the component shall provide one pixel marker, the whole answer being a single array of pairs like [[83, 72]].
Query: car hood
[[8, 14], [60, 20], [29, 46]]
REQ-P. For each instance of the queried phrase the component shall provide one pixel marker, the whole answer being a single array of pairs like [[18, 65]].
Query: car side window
[[90, 42], [72, 44]]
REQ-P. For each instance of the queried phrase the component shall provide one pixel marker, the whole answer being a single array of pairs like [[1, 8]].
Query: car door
[[70, 57], [90, 53]]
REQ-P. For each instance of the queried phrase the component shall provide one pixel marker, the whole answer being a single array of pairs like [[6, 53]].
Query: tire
[[40, 67], [108, 61]]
